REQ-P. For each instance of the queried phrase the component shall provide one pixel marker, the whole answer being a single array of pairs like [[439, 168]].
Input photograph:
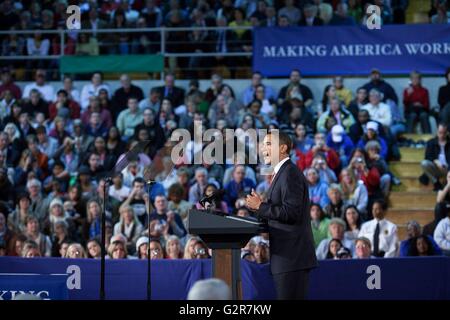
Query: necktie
[[239, 188], [376, 240], [220, 45]]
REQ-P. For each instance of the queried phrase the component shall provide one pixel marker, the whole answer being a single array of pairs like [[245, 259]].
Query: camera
[[359, 160], [320, 161], [159, 227], [200, 251]]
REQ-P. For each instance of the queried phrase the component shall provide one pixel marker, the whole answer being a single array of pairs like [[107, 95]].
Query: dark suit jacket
[[316, 22], [177, 95], [433, 149], [287, 212]]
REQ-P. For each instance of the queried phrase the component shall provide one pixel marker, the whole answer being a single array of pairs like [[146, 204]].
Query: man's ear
[[283, 148]]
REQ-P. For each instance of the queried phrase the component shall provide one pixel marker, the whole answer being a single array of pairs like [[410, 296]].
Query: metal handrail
[[163, 43], [131, 30]]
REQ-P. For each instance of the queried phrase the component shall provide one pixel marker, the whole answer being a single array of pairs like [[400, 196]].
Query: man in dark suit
[[310, 17], [125, 92], [168, 90], [292, 253]]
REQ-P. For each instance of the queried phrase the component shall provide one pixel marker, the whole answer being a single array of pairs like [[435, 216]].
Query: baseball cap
[[372, 125], [141, 241], [337, 133]]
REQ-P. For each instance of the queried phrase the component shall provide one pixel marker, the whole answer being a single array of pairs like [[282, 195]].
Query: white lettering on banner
[[358, 50], [427, 48], [374, 281], [294, 51], [74, 278], [365, 50], [44, 295]]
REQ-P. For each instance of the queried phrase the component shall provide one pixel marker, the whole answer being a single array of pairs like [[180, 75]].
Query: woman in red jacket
[[370, 176], [417, 104]]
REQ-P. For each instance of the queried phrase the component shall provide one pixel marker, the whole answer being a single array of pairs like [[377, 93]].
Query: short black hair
[[447, 72], [382, 203], [138, 180], [283, 138]]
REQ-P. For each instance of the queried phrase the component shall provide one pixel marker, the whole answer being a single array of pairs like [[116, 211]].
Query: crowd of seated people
[[42, 16], [58, 143]]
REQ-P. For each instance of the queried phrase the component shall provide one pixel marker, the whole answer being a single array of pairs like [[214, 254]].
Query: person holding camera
[[201, 250], [238, 186], [168, 219], [136, 199], [331, 157], [369, 176], [325, 173]]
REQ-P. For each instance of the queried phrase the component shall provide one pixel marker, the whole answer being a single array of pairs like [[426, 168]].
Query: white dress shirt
[[322, 248], [381, 113], [442, 234], [388, 240], [46, 90], [88, 91], [278, 166]]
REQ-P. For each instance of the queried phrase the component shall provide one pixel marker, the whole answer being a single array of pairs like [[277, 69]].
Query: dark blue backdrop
[[327, 50], [400, 278]]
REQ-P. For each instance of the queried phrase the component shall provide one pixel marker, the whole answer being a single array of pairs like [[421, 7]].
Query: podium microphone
[[214, 196]]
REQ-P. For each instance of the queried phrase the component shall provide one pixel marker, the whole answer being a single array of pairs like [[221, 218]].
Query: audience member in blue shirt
[[340, 142], [249, 92], [302, 142], [414, 245], [317, 189], [372, 134], [167, 218], [238, 186]]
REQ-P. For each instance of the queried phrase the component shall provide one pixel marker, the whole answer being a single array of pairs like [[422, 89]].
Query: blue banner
[[368, 279], [47, 287], [354, 50]]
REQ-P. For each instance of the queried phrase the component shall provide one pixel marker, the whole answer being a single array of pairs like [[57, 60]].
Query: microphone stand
[[103, 249], [120, 165], [150, 184]]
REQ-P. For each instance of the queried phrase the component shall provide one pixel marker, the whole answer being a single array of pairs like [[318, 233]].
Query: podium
[[225, 235]]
